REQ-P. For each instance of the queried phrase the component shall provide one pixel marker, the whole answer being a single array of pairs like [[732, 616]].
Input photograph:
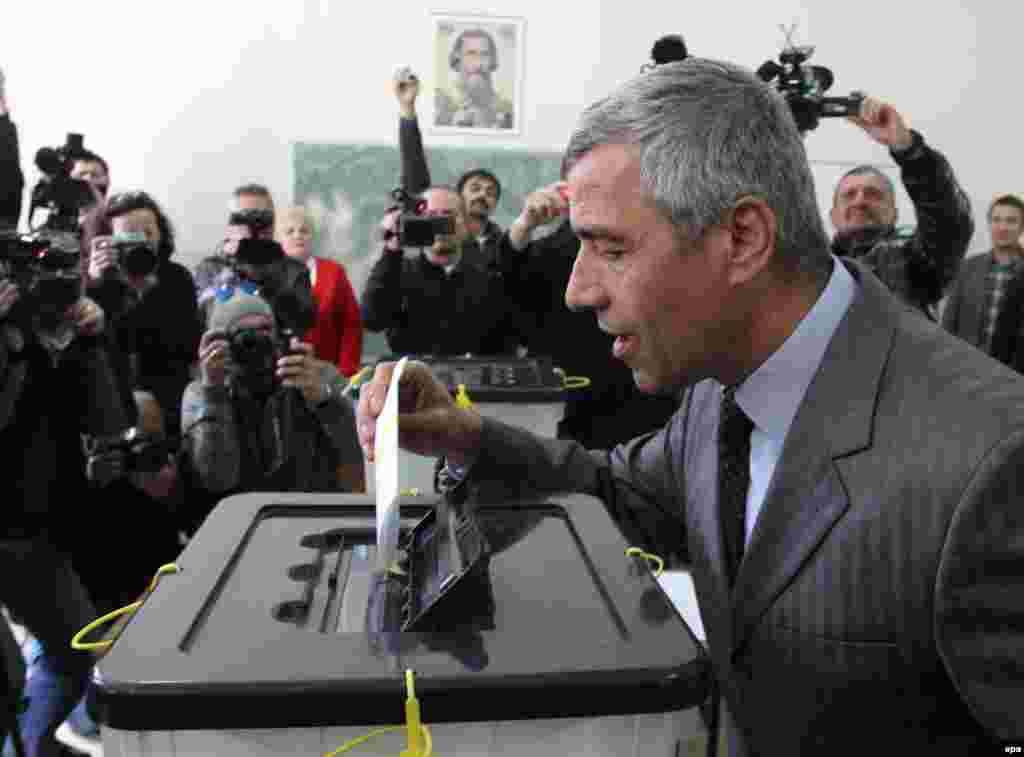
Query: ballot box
[[530, 632], [525, 392]]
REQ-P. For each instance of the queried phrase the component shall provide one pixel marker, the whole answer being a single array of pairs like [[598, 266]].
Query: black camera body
[[62, 195], [134, 255], [804, 86], [111, 458], [46, 268], [257, 220], [414, 228], [255, 353]]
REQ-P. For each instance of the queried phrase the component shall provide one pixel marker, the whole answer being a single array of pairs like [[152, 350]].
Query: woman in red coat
[[337, 336]]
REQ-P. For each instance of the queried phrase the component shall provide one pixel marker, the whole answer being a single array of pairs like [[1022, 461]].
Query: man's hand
[[429, 421], [542, 206], [213, 358], [102, 256], [884, 124], [88, 317], [8, 296], [389, 231], [406, 88], [303, 372]]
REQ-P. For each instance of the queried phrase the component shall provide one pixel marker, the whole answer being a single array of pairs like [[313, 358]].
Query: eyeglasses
[[225, 292]]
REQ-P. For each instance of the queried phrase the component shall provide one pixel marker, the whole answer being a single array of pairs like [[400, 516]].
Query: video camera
[[56, 191], [110, 458], [414, 228], [46, 269], [257, 220], [804, 86]]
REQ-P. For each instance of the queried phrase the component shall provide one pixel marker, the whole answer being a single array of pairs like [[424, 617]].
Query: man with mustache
[[917, 265], [474, 103], [438, 302]]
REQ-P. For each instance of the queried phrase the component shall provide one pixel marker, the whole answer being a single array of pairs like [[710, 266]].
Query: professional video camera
[[110, 458], [804, 86], [56, 191], [414, 228], [45, 267], [257, 220]]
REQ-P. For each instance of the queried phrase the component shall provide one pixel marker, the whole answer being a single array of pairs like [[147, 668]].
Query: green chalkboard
[[346, 188]]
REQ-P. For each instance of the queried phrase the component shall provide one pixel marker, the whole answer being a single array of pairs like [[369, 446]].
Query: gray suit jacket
[[964, 314], [881, 598]]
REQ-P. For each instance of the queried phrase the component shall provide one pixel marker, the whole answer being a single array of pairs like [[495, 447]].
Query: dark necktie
[[733, 478]]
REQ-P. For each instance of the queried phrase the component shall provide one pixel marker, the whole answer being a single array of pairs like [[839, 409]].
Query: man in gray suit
[[844, 478], [977, 295]]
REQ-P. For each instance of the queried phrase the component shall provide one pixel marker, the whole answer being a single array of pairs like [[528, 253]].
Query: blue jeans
[[44, 593]]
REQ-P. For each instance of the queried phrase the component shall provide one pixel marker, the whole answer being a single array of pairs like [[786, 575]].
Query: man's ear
[[753, 229]]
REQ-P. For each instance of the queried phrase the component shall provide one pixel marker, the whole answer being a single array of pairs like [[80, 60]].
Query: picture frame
[[478, 65]]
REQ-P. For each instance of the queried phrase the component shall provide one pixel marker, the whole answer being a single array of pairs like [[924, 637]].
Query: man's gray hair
[[710, 133], [866, 170]]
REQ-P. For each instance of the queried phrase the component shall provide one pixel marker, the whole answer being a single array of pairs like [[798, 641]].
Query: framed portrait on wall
[[478, 73]]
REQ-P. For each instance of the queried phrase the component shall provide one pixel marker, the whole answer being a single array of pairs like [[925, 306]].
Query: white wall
[[189, 99]]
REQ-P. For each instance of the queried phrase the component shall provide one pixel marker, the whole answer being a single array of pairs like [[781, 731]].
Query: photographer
[[537, 254], [56, 382], [438, 302], [480, 189], [918, 265], [150, 299], [12, 180], [264, 415]]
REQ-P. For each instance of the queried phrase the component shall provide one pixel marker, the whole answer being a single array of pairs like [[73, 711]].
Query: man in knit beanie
[[262, 416]]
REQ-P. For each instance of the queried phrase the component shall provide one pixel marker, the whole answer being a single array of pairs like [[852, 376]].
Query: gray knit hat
[[224, 314]]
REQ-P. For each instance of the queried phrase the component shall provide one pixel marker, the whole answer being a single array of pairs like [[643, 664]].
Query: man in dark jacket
[[916, 265], [438, 302], [479, 188], [56, 382]]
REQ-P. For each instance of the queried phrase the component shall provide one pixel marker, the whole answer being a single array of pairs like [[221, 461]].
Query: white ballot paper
[[385, 469]]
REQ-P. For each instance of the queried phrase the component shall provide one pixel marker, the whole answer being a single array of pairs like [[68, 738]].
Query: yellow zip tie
[[658, 564], [418, 738], [575, 382], [462, 397], [76, 640]]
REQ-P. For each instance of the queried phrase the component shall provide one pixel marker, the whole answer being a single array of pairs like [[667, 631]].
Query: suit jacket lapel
[[806, 495]]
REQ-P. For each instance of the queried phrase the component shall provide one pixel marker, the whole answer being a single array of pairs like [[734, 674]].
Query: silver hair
[[866, 170], [710, 133]]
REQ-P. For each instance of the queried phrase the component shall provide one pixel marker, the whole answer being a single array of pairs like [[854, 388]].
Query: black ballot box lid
[[499, 378], [265, 626]]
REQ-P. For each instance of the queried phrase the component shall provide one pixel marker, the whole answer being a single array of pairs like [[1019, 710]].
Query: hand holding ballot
[[429, 421]]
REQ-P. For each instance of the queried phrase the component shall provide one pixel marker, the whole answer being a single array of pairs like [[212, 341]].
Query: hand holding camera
[[213, 358], [87, 316], [883, 123], [299, 369], [406, 87]]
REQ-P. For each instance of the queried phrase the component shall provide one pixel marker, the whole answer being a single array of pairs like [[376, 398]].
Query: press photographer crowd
[[135, 393]]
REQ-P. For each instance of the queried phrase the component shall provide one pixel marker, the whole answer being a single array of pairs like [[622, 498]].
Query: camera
[[258, 220], [133, 254], [46, 269], [804, 86], [263, 263], [414, 228], [110, 458], [56, 191], [255, 353]]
